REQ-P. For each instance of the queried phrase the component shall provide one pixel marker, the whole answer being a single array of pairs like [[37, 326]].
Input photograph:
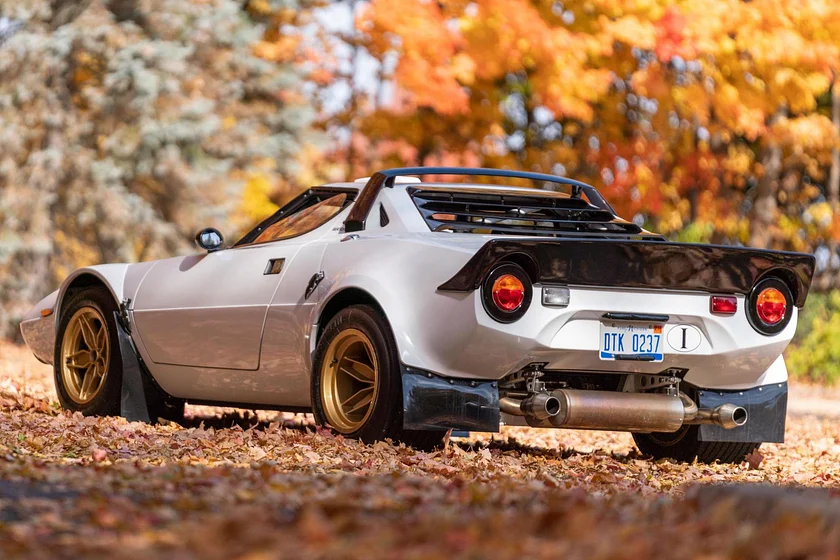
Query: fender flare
[[112, 276], [377, 291]]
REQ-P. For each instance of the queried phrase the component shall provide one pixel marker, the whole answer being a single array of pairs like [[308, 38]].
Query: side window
[[304, 220]]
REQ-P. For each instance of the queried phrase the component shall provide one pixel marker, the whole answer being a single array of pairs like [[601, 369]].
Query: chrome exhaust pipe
[[539, 406], [628, 412], [511, 406], [727, 416]]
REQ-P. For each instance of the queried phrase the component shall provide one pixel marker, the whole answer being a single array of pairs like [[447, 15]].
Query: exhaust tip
[[730, 416], [552, 406], [541, 406], [739, 416]]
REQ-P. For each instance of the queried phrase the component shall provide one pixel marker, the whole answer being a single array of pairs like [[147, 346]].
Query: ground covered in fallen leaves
[[264, 485]]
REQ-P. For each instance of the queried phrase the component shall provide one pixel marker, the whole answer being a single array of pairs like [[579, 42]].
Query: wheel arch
[[341, 299], [110, 277]]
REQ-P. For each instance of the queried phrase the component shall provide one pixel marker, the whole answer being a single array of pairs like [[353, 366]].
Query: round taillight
[[508, 292], [771, 306]]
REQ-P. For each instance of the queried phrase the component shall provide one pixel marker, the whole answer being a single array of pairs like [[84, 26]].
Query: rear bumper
[[431, 402]]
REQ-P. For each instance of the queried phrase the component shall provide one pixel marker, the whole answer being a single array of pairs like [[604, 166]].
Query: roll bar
[[385, 179]]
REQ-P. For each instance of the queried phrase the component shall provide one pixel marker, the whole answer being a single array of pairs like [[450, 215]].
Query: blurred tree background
[[128, 124]]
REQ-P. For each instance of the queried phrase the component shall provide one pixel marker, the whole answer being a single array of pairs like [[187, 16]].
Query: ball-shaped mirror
[[210, 239]]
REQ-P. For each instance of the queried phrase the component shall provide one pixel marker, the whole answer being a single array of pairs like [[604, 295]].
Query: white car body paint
[[214, 327]]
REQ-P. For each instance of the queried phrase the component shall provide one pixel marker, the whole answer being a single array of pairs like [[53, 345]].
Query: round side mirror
[[210, 239]]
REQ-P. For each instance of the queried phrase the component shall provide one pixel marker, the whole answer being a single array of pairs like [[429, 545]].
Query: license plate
[[627, 341]]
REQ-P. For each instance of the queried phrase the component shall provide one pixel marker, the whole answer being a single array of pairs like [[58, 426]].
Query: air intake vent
[[520, 214]]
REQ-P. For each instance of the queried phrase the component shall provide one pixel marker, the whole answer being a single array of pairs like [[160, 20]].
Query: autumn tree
[[128, 125], [708, 120]]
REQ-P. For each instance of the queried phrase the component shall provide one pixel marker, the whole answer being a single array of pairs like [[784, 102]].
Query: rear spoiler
[[640, 264]]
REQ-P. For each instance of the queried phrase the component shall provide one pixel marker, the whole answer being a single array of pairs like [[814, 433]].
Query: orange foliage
[[668, 107]]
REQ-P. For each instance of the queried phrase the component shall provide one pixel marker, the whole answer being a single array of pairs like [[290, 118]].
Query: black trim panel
[[537, 213], [643, 317], [434, 403], [766, 409], [642, 264]]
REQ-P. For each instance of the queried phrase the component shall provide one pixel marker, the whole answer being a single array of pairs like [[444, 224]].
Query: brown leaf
[[754, 459]]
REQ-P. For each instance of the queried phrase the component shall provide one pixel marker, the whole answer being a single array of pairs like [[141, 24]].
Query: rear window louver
[[494, 213]]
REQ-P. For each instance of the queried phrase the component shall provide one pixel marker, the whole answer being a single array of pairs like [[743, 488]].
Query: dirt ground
[[239, 484]]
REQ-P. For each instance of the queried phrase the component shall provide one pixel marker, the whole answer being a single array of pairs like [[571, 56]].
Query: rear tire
[[685, 445], [357, 383]]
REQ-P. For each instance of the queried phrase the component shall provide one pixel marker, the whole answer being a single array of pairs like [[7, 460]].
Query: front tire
[[685, 445], [357, 384], [88, 363]]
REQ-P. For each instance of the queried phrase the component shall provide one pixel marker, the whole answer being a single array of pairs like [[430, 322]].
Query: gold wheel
[[349, 381], [85, 355]]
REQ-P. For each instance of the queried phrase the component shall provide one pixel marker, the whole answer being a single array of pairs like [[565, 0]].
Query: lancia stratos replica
[[395, 308]]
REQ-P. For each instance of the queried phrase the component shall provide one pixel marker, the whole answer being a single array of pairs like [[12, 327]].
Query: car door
[[209, 310]]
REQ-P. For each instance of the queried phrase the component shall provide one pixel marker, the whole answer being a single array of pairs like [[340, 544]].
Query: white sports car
[[398, 308]]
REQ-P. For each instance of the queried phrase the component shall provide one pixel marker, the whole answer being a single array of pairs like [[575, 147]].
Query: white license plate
[[629, 341]]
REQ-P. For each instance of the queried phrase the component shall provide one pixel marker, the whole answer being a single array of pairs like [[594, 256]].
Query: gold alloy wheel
[[85, 355], [349, 381]]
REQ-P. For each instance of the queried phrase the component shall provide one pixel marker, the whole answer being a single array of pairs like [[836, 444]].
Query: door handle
[[313, 283], [274, 266]]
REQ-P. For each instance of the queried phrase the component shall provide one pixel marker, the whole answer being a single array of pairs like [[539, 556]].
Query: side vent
[[537, 215], [384, 220]]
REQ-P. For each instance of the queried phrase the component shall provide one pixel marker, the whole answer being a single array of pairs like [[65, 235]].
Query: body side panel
[[281, 377], [209, 310], [286, 362]]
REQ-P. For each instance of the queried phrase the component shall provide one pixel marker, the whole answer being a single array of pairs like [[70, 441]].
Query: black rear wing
[[640, 264]]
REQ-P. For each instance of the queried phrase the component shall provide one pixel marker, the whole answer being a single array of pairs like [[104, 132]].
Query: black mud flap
[[766, 410], [431, 402], [133, 405]]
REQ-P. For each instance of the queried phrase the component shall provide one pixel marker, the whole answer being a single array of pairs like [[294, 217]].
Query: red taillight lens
[[508, 292], [771, 306], [723, 305]]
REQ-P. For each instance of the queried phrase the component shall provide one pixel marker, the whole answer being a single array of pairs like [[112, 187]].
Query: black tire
[[107, 400], [685, 445], [386, 419]]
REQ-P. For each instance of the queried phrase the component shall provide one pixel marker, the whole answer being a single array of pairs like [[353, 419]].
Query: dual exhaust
[[628, 412]]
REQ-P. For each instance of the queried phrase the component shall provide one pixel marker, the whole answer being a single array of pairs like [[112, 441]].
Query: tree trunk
[[762, 215], [834, 175]]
